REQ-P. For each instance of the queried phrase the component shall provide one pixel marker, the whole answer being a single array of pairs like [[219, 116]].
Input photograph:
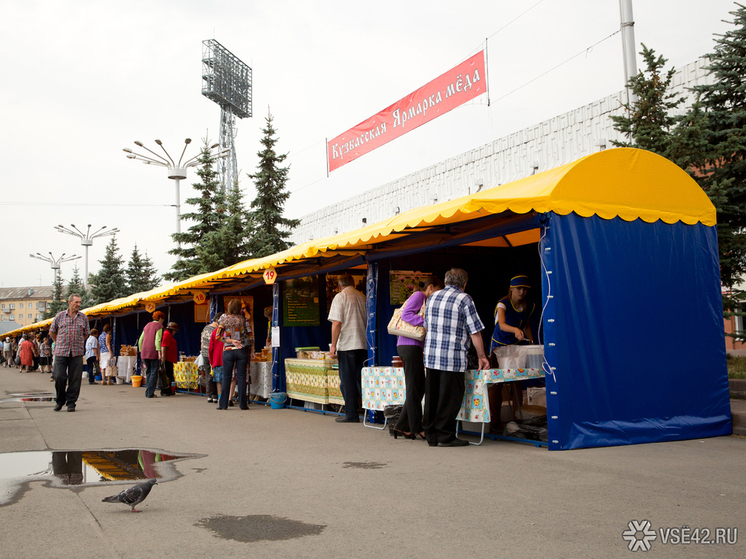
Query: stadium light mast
[[176, 170], [86, 239], [228, 82], [54, 262]]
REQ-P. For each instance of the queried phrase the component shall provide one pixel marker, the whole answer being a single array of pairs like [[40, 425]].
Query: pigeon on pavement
[[132, 496]]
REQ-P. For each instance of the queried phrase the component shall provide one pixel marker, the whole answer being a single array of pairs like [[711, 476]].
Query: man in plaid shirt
[[69, 331], [451, 320]]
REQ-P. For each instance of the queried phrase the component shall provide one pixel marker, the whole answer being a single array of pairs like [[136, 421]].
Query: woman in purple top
[[411, 353]]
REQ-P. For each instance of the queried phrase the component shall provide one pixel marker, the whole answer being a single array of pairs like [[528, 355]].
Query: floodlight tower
[[54, 262], [226, 81], [86, 239]]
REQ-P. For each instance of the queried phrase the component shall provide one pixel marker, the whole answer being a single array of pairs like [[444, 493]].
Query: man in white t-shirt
[[348, 318]]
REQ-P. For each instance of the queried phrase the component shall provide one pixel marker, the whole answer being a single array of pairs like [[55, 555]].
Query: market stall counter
[[261, 378], [313, 380], [385, 386], [186, 373]]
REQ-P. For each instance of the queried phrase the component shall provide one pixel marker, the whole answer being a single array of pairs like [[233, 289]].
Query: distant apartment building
[[24, 305]]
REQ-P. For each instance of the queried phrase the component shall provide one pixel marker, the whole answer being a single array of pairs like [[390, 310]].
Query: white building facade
[[546, 145]]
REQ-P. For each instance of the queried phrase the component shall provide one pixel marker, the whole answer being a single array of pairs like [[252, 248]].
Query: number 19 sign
[[270, 275]]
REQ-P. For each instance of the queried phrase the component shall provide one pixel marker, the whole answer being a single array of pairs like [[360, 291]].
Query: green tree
[[141, 273], [76, 285], [229, 244], [206, 219], [711, 144], [57, 303], [270, 230], [110, 282], [648, 122]]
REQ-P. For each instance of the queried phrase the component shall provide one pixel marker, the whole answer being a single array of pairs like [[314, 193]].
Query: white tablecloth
[[261, 378], [126, 364]]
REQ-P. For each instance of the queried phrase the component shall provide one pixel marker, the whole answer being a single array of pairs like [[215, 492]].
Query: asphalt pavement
[[286, 483]]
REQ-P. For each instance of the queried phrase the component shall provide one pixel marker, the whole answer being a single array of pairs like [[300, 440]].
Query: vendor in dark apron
[[512, 326]]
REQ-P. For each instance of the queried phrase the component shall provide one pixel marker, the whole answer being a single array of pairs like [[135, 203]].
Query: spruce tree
[[141, 273], [110, 282], [711, 144], [57, 303], [270, 230], [206, 218], [648, 121], [75, 285]]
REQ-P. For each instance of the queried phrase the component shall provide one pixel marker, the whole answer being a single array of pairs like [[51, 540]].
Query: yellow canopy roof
[[627, 183]]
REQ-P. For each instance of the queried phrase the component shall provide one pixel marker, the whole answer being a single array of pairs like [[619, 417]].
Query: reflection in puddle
[[67, 468], [29, 397]]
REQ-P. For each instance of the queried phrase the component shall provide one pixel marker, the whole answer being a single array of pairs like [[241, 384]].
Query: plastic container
[[136, 381], [120, 380], [510, 357], [534, 356], [277, 400]]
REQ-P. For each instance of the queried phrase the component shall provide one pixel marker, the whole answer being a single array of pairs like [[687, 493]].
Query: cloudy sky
[[84, 79]]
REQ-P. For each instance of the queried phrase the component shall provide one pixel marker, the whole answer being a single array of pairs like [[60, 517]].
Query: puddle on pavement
[[259, 527], [364, 465], [29, 397], [83, 468]]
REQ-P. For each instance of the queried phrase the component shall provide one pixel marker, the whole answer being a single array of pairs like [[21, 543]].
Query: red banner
[[446, 92]]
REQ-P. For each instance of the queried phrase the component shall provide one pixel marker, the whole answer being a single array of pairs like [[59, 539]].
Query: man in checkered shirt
[[69, 331], [451, 320]]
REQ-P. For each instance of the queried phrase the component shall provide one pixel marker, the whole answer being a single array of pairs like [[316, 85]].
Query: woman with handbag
[[411, 352], [235, 333]]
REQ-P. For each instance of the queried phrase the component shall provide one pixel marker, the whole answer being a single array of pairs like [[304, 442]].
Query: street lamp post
[[54, 262], [86, 239], [176, 170]]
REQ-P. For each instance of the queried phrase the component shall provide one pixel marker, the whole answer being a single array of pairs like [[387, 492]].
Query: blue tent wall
[[633, 326]]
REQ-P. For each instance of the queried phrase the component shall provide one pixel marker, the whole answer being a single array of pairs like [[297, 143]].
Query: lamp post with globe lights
[[176, 170], [86, 239]]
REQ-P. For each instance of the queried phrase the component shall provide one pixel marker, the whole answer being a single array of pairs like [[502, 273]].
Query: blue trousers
[[240, 359], [68, 372], [350, 364], [151, 366]]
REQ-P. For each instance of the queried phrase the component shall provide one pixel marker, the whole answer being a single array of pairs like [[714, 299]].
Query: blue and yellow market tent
[[630, 300]]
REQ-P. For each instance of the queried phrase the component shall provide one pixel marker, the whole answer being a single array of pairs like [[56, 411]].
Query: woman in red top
[[169, 356], [216, 357], [27, 355]]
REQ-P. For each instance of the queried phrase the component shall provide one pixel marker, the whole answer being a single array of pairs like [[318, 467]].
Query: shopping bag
[[399, 327], [112, 370]]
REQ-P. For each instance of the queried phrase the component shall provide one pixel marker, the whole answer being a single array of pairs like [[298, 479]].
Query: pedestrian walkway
[[282, 483]]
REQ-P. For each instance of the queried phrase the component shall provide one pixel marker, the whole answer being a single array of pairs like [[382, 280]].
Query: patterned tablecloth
[[261, 378], [126, 365], [186, 373], [313, 380], [384, 386]]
